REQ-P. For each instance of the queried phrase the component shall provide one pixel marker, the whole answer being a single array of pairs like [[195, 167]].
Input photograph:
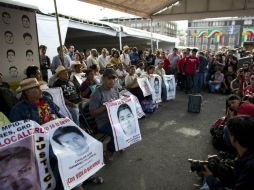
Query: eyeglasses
[[251, 78]]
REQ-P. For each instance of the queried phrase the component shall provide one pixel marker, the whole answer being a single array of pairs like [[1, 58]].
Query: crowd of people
[[109, 72]]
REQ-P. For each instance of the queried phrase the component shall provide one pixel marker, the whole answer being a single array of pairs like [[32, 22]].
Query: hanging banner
[[139, 109], [79, 155], [145, 86], [124, 122], [56, 95], [156, 83], [19, 45], [24, 157], [170, 84]]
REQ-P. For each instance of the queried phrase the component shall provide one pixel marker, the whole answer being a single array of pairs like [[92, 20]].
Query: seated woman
[[34, 72], [217, 80], [115, 59], [131, 83], [121, 74], [89, 85]]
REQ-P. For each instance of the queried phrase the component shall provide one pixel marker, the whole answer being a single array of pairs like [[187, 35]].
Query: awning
[[21, 4], [180, 9]]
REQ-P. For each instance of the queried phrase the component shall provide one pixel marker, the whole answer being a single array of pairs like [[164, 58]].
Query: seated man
[[89, 85], [34, 106], [217, 80], [98, 110], [241, 132], [71, 96]]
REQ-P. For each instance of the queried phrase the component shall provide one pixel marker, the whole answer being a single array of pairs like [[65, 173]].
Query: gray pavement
[[169, 137]]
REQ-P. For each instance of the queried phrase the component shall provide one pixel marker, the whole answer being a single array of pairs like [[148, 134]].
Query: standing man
[[200, 76], [72, 53], [125, 58], [58, 60], [102, 59], [190, 71], [173, 59], [92, 59], [44, 62]]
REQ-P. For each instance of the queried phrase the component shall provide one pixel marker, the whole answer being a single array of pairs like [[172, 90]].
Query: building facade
[[166, 28], [212, 34]]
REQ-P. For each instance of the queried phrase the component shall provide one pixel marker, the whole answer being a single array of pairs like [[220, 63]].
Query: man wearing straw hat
[[71, 96], [34, 106], [125, 58]]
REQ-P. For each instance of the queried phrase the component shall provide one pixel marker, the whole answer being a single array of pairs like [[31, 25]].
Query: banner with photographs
[[124, 122], [145, 86], [169, 81], [139, 109], [156, 83], [24, 157], [79, 155], [56, 95], [80, 78], [19, 44]]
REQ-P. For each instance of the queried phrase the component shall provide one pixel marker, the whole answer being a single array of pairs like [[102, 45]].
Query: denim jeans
[[107, 129], [199, 82], [214, 87], [74, 113]]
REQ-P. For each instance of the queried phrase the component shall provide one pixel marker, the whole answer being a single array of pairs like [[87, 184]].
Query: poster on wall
[[19, 44], [124, 122]]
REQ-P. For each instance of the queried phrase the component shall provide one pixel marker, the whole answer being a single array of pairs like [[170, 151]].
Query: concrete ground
[[169, 137]]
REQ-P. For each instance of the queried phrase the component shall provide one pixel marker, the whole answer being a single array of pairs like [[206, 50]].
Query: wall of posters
[[145, 86], [156, 82], [23, 145], [170, 84], [19, 44], [56, 95], [124, 122], [79, 155]]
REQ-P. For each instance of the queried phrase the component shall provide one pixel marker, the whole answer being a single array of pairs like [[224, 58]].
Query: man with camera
[[241, 132]]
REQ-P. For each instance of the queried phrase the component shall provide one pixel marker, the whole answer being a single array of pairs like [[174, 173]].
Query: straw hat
[[126, 47], [60, 69], [28, 84], [75, 63]]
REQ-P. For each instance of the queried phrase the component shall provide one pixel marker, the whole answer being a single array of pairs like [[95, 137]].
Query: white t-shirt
[[125, 58], [140, 72], [102, 61]]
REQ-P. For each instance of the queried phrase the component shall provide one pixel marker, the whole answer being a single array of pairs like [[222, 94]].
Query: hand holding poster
[[145, 86], [156, 82], [139, 109], [56, 95], [21, 144], [79, 155], [170, 84], [124, 122]]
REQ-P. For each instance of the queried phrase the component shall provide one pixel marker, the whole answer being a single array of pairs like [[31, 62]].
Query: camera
[[198, 165]]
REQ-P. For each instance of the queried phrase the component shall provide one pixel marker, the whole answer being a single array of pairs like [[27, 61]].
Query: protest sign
[[79, 155], [24, 157], [170, 84], [139, 109], [80, 78], [56, 95], [155, 82], [145, 86], [124, 122]]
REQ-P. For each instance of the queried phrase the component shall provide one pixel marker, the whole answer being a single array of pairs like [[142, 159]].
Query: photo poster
[[19, 44], [124, 122], [139, 110], [145, 86], [56, 96], [24, 157], [156, 83], [80, 78], [79, 155], [170, 84]]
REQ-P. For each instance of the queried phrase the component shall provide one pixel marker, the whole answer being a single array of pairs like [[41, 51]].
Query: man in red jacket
[[181, 78], [190, 69], [166, 62]]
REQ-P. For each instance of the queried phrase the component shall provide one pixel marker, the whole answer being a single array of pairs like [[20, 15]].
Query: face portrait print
[[8, 37], [156, 85], [27, 38], [10, 54], [70, 138], [13, 72], [6, 18], [126, 119], [170, 88], [29, 55], [18, 170], [25, 21]]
